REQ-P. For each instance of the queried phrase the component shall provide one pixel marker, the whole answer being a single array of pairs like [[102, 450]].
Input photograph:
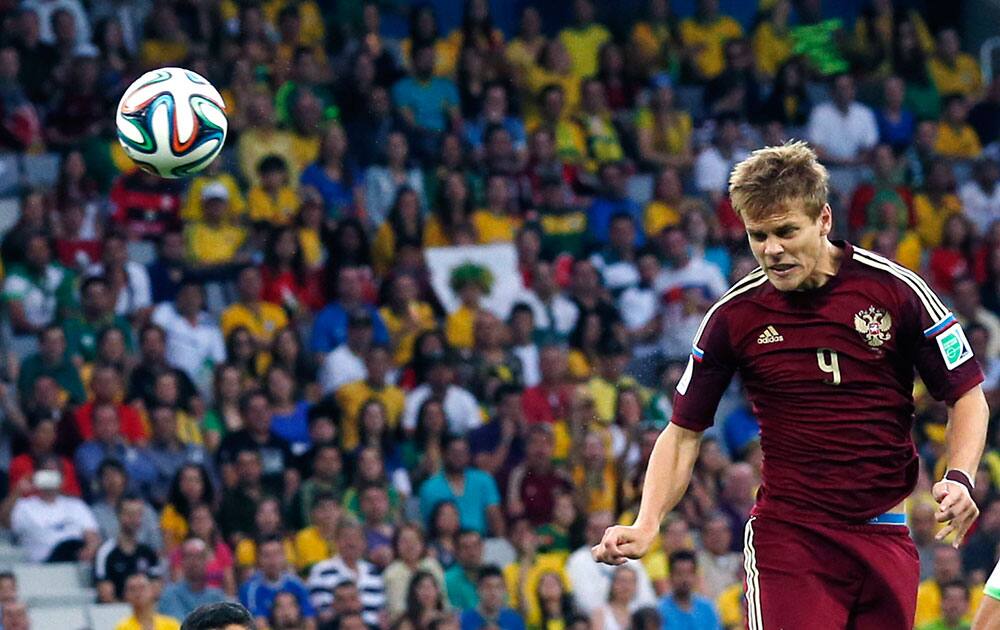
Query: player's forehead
[[786, 213]]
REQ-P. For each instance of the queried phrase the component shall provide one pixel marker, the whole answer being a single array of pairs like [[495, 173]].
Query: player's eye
[[760, 237]]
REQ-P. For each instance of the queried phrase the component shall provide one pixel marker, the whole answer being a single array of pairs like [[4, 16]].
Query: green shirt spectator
[[51, 360], [38, 292]]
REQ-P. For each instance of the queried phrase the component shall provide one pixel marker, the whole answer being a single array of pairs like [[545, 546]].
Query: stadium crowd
[[247, 384]]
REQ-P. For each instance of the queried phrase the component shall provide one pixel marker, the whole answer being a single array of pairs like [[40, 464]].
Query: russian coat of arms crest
[[873, 324]]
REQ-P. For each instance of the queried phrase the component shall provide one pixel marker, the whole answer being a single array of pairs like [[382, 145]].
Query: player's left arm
[[966, 436]]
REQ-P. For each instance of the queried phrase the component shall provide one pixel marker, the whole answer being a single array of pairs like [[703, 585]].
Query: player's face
[[790, 246]]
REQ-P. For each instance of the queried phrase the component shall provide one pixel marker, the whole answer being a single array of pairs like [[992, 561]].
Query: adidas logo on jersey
[[770, 335]]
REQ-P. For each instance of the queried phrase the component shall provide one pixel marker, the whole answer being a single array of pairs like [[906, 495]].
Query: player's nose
[[772, 247]]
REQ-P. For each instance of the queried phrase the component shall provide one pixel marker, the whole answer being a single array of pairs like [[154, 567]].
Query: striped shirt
[[327, 575]]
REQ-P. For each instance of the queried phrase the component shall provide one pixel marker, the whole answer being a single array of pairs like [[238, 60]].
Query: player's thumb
[[940, 491]]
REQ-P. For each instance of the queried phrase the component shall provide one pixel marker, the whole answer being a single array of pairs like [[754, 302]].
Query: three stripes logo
[[770, 335]]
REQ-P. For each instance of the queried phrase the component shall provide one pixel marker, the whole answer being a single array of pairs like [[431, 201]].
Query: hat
[[46, 479], [215, 190], [359, 317]]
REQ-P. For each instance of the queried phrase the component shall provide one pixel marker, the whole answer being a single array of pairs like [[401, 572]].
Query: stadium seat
[[41, 170], [58, 618], [10, 554], [107, 616], [52, 584]]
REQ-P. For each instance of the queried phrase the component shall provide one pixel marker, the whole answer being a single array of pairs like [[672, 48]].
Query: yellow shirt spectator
[[434, 234], [961, 77], [173, 525], [311, 547], [312, 246], [959, 142], [931, 215], [673, 138], [213, 244], [583, 43], [929, 602], [160, 52], [403, 338], [650, 40], [311, 24], [600, 487], [275, 208], [446, 56], [458, 328], [262, 320], [519, 582], [255, 144], [908, 248], [538, 78], [494, 228], [729, 603], [578, 365], [246, 553], [160, 622], [352, 396], [708, 38], [193, 205], [771, 47]]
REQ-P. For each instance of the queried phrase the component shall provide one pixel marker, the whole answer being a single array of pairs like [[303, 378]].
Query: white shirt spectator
[[460, 407], [44, 10], [981, 207], [563, 311], [638, 306], [40, 526], [134, 296], [530, 371], [712, 168], [591, 582], [616, 274], [718, 572], [325, 576], [194, 348], [340, 367], [842, 136], [381, 190], [679, 324]]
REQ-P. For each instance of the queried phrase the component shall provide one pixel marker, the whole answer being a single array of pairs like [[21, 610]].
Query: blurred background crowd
[[245, 385]]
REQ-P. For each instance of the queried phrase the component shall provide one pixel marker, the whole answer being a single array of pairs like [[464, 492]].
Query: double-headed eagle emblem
[[873, 324]]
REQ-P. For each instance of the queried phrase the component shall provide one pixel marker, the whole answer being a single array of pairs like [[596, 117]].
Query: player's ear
[[825, 220]]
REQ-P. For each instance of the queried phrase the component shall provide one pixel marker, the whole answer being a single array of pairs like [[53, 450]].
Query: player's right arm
[[709, 371], [667, 477]]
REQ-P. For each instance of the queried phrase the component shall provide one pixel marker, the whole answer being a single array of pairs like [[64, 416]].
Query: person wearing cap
[[214, 240], [50, 526], [213, 174], [346, 363]]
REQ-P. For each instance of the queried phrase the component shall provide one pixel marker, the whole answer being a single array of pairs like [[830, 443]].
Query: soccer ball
[[171, 122]]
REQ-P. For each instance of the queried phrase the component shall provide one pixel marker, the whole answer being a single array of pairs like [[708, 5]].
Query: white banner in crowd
[[500, 259]]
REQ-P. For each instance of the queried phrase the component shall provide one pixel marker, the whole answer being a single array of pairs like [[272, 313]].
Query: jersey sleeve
[[709, 370], [943, 355]]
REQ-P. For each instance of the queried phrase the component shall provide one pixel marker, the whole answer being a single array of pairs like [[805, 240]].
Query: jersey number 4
[[830, 364]]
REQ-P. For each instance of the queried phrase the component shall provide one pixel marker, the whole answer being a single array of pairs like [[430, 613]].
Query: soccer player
[[826, 338]]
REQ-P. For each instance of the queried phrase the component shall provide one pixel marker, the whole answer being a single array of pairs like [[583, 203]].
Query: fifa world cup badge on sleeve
[[954, 347]]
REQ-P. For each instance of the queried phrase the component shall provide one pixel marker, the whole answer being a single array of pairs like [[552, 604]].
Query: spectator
[[273, 201], [272, 577], [346, 363], [113, 482], [703, 36], [50, 527], [936, 202], [719, 564], [39, 291], [180, 598], [590, 584], [491, 609], [460, 407], [980, 195], [213, 239], [144, 205], [613, 200], [617, 612], [931, 592], [141, 594], [461, 579], [51, 361], [219, 570], [152, 364], [713, 164], [96, 314], [330, 326], [842, 130], [124, 555], [347, 566], [684, 607], [383, 183], [956, 138], [896, 122], [107, 441], [14, 616], [984, 115], [534, 484], [736, 89], [191, 487], [664, 131], [954, 71], [261, 139], [412, 562], [194, 341]]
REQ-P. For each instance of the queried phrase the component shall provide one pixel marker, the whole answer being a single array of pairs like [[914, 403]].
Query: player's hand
[[621, 543], [956, 508]]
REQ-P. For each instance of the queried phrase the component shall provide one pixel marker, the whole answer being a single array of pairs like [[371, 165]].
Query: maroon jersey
[[829, 374]]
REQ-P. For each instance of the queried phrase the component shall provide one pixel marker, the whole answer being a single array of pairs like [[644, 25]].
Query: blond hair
[[773, 176]]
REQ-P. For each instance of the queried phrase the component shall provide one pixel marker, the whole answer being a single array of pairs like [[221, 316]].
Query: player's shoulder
[[743, 292], [906, 285]]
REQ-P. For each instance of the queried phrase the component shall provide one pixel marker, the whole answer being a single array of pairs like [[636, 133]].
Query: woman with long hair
[[663, 131], [427, 344], [422, 454], [219, 571], [442, 534], [405, 316], [788, 102], [412, 560], [583, 345], [452, 211], [191, 486], [554, 604], [287, 352], [289, 413], [382, 182], [615, 614], [374, 432], [288, 281], [405, 223], [424, 602], [424, 31], [620, 88], [909, 62], [224, 416], [242, 351]]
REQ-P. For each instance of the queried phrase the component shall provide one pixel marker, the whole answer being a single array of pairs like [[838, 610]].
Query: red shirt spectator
[[23, 467], [133, 428], [144, 204]]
